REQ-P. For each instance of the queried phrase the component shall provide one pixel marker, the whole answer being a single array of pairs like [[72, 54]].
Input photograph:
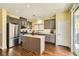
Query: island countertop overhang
[[34, 36]]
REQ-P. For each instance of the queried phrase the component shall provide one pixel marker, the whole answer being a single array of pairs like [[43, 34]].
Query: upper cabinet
[[49, 24], [12, 20], [29, 25], [23, 22]]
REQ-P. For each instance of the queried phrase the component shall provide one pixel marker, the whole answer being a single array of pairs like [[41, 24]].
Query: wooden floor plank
[[50, 50]]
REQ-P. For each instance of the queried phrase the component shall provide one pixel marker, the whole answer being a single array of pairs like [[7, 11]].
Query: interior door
[[61, 28], [76, 32]]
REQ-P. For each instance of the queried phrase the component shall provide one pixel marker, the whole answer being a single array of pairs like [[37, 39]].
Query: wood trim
[[65, 47], [50, 43], [74, 8]]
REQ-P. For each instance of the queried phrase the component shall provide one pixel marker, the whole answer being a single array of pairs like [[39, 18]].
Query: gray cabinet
[[46, 24], [33, 44], [49, 24], [50, 38], [47, 38], [25, 43], [12, 20], [29, 25], [52, 24], [23, 22]]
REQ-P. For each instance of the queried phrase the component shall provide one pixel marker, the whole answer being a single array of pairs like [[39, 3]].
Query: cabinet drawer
[[47, 38], [52, 38]]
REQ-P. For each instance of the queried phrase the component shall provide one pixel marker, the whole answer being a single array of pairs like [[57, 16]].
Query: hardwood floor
[[50, 50]]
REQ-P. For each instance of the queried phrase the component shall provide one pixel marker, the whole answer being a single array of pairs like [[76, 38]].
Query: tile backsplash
[[45, 31]]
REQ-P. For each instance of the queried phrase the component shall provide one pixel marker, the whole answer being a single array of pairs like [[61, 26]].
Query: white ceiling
[[37, 9]]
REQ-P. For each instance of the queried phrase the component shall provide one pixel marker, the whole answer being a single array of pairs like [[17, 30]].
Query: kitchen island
[[35, 43]]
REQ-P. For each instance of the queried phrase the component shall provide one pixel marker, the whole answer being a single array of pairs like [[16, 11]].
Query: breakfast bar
[[35, 43]]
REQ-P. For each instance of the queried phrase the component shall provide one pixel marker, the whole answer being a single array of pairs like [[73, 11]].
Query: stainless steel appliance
[[12, 35]]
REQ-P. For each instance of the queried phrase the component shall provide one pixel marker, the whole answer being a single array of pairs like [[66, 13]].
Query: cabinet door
[[47, 38], [49, 24], [52, 24], [23, 22], [12, 20], [46, 24], [52, 38], [29, 25], [25, 41], [34, 44]]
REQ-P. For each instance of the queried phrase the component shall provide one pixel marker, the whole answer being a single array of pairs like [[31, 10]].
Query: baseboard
[[65, 47], [74, 54], [50, 43], [4, 48], [0, 47]]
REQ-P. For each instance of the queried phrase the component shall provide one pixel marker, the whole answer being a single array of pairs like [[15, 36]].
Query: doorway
[[76, 31]]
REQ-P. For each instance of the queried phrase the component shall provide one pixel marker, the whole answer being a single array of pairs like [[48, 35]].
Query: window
[[38, 27]]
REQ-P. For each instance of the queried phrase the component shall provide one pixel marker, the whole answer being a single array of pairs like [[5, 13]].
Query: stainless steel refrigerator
[[12, 35]]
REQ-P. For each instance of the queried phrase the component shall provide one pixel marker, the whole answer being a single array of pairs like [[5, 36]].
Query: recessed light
[[28, 5]]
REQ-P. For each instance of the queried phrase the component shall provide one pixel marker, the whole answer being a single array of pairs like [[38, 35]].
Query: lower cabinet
[[25, 43], [53, 38], [47, 38], [34, 44], [50, 38]]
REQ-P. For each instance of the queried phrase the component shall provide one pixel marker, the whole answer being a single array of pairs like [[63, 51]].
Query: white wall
[[63, 29], [4, 21], [3, 14], [41, 21], [0, 28]]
